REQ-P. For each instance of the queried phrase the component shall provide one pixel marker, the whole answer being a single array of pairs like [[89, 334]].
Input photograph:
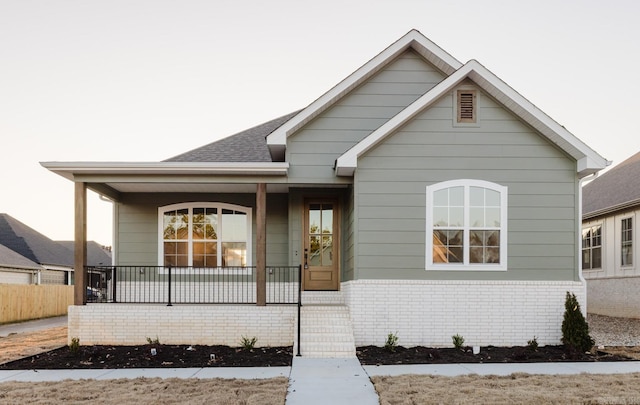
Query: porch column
[[80, 244], [261, 244]]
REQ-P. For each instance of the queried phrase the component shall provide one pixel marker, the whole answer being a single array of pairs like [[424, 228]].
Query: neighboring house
[[421, 196], [17, 269], [610, 253], [53, 259]]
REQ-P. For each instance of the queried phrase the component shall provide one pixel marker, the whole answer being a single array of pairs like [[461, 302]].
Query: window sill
[[454, 267]]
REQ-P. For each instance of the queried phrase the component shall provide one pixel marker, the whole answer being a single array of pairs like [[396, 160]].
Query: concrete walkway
[[327, 381], [32, 326]]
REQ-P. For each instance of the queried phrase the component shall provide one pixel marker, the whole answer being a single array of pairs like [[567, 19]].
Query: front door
[[320, 265]]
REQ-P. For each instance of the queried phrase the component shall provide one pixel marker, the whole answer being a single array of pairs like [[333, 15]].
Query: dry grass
[[143, 391], [515, 389], [17, 346]]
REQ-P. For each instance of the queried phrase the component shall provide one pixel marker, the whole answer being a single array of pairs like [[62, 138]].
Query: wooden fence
[[19, 302]]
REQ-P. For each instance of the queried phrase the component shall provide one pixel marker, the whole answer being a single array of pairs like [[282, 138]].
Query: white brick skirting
[[429, 313], [617, 297], [132, 324]]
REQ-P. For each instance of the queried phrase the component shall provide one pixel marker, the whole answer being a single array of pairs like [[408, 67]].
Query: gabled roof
[[277, 140], [31, 244], [246, 146], [615, 190], [96, 255], [13, 260], [589, 161]]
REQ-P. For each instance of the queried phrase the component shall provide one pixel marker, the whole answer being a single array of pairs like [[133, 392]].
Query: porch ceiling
[[190, 187]]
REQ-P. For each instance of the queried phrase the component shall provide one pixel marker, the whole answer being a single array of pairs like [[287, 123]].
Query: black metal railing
[[190, 285]]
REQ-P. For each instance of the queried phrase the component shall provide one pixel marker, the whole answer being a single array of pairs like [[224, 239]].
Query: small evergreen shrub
[[248, 344], [533, 344], [575, 329], [458, 341], [391, 342]]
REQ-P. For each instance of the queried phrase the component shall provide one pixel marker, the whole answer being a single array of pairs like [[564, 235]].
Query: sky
[[144, 80]]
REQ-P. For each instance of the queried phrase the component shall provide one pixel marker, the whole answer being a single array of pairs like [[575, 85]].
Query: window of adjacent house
[[466, 226], [627, 242], [204, 235], [466, 107], [592, 247]]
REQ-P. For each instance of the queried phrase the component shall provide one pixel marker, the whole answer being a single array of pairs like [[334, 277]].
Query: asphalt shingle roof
[[96, 255], [31, 244], [615, 189], [247, 146], [11, 259], [35, 247]]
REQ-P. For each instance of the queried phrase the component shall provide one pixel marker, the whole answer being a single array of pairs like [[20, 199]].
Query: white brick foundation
[[428, 313], [132, 324]]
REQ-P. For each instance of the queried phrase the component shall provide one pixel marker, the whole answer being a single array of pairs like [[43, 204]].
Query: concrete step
[[323, 298], [326, 332]]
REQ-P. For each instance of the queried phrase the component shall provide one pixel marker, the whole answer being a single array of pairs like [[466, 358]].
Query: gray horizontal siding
[[312, 150], [391, 181], [137, 235]]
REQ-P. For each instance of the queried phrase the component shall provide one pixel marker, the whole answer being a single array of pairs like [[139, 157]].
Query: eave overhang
[[71, 170], [588, 161]]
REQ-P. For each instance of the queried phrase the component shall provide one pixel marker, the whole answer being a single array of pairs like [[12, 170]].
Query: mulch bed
[[181, 356], [166, 356], [374, 355]]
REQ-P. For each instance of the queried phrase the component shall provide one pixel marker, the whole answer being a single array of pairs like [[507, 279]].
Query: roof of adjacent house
[[36, 247], [31, 244], [247, 146], [96, 254], [615, 190], [14, 260]]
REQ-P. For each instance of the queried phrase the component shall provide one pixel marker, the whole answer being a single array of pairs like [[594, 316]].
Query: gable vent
[[466, 106]]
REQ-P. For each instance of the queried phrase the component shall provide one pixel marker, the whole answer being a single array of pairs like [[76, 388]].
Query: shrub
[[458, 341], [74, 346], [155, 341], [533, 344], [575, 329], [248, 344], [391, 342]]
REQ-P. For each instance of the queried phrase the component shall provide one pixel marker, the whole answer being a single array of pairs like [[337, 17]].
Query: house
[[17, 269], [53, 260], [419, 196], [611, 204]]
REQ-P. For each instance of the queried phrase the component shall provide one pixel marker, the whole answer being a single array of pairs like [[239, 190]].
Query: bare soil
[[17, 346]]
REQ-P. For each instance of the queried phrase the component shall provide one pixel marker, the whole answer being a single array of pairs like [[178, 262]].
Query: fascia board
[[588, 160], [70, 169], [413, 39]]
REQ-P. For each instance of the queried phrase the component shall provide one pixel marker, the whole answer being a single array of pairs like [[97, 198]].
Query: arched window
[[204, 235], [466, 226]]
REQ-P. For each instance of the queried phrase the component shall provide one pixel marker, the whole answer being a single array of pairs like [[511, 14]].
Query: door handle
[[306, 255]]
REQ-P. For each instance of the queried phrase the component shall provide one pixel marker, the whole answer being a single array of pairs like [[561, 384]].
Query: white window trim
[[602, 252], [633, 243], [190, 206], [467, 183]]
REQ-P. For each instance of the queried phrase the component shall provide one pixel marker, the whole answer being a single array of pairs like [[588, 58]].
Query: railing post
[[299, 304], [114, 281], [169, 304]]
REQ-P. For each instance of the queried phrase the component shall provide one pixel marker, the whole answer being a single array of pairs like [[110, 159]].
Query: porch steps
[[326, 328]]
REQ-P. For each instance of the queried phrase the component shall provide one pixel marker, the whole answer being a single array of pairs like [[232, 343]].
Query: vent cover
[[466, 106]]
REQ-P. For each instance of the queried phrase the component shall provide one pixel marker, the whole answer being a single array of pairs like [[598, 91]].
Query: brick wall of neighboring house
[[429, 313], [125, 324], [616, 296]]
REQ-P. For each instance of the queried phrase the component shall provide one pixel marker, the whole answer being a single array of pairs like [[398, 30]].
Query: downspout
[[579, 244]]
